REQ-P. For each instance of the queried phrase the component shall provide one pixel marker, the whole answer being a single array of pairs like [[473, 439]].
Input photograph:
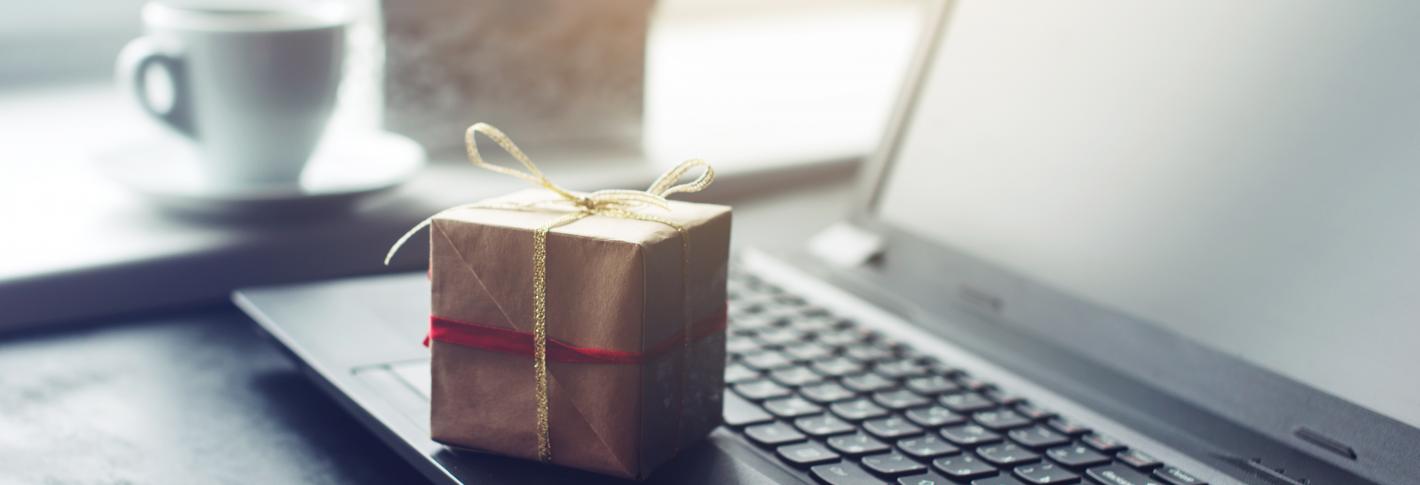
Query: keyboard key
[[890, 428], [1033, 412], [750, 324], [969, 435], [741, 345], [836, 367], [856, 444], [867, 353], [1046, 474], [823, 425], [867, 382], [841, 338], [807, 351], [899, 399], [933, 416], [1068, 427], [973, 383], [962, 467], [790, 300], [1118, 474], [926, 447], [892, 463], [766, 360], [941, 368], [773, 434], [740, 331], [739, 412], [791, 407], [826, 392], [966, 402], [795, 376], [1002, 397], [1102, 443], [779, 337], [929, 478], [812, 322], [1007, 454], [736, 373], [1000, 419], [758, 390], [900, 369], [997, 480], [1077, 456], [1037, 437], [857, 409], [779, 317], [1138, 459], [1174, 476], [932, 385], [806, 454], [843, 474]]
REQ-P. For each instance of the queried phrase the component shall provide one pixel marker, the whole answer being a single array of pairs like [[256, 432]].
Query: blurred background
[[778, 92]]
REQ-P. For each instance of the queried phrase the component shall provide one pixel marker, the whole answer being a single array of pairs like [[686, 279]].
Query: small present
[[584, 330]]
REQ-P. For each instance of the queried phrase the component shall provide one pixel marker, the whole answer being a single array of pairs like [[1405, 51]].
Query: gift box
[[632, 304]]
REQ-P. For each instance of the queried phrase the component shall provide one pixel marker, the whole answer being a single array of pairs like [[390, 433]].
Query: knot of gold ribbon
[[577, 205]]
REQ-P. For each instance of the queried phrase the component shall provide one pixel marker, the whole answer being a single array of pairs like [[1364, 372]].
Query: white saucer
[[343, 170]]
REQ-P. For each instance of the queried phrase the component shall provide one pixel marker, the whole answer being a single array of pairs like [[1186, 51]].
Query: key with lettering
[[773, 434], [892, 463], [891, 427], [969, 435], [856, 444], [844, 474], [1119, 474], [933, 416], [926, 447], [962, 467], [1077, 456], [1007, 454], [823, 425], [1045, 474], [806, 454]]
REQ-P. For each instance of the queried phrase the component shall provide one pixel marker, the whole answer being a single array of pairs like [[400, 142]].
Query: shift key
[[1118, 474], [739, 412]]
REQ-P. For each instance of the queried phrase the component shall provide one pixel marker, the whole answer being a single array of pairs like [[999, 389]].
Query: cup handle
[[133, 63]]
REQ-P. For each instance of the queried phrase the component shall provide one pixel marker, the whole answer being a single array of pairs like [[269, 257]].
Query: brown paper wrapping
[[611, 284]]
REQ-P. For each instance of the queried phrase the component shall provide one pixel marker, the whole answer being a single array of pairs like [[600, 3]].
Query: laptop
[[1103, 242]]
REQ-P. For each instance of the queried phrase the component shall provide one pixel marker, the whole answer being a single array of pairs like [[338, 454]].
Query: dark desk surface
[[199, 396]]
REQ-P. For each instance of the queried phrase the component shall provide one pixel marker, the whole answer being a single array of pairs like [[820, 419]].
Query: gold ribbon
[[611, 203]]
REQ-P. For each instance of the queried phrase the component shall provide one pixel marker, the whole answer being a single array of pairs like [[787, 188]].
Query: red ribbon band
[[497, 339]]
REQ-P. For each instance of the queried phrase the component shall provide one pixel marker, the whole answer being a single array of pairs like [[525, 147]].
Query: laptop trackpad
[[416, 375]]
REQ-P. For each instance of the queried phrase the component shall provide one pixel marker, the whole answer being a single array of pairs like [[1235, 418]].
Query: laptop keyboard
[[845, 405]]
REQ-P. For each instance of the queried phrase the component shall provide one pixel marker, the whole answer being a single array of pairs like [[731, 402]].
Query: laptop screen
[[1246, 175]]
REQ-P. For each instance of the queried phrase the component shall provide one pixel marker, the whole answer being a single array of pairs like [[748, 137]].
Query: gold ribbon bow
[[611, 203]]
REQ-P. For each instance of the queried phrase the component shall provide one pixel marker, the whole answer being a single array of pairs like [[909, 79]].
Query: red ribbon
[[497, 339]]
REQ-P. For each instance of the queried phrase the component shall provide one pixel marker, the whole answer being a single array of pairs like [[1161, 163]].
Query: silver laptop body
[[1190, 226]]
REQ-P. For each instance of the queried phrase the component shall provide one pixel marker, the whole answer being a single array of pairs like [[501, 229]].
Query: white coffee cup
[[253, 88]]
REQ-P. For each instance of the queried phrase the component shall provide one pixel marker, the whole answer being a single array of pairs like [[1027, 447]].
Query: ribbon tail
[[405, 238], [665, 185]]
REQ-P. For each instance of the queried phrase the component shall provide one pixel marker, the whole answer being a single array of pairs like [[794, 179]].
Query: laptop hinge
[[846, 245]]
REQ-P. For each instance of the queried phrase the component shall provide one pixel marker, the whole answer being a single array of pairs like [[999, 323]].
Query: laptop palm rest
[[360, 339]]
